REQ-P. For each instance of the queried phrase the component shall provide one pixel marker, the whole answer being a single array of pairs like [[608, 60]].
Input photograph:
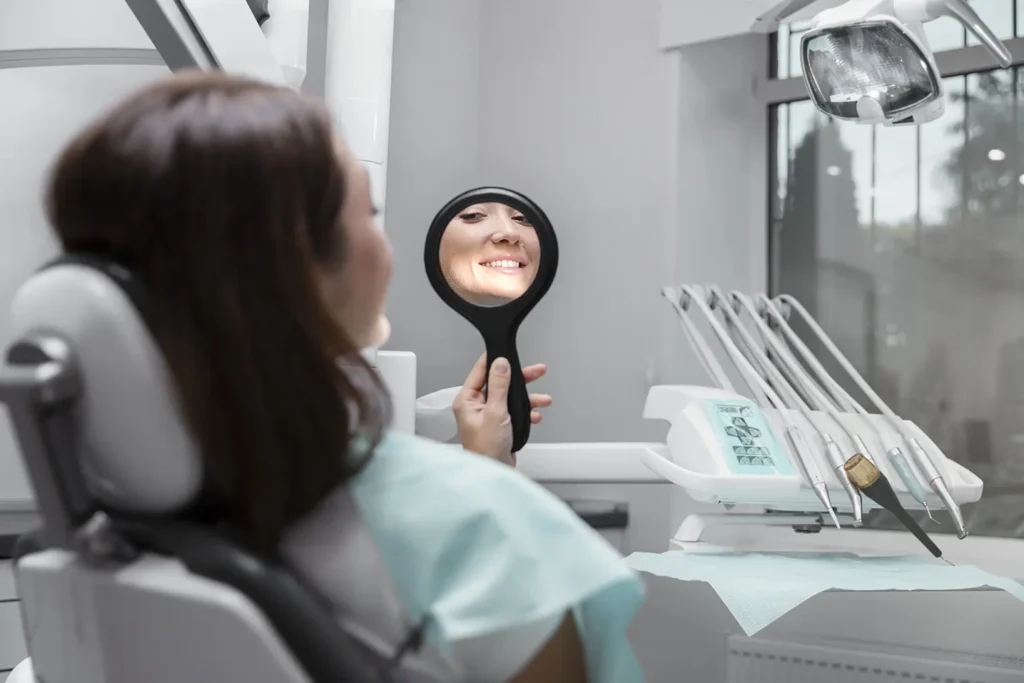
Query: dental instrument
[[798, 446], [832, 450], [704, 355], [767, 479], [687, 295], [821, 402], [895, 455], [721, 446], [757, 383], [783, 355], [936, 479], [907, 473], [875, 486]]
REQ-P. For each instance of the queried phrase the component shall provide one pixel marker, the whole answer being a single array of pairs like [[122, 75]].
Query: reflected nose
[[506, 233]]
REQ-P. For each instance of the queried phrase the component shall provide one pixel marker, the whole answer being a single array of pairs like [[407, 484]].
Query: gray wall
[[432, 156], [573, 104]]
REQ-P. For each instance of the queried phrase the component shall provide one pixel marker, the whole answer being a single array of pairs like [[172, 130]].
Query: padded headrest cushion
[[134, 449]]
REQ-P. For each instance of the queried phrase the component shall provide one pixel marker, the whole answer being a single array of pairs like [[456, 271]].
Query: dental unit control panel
[[793, 453]]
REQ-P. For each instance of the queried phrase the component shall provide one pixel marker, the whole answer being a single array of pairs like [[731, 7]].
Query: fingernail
[[501, 366]]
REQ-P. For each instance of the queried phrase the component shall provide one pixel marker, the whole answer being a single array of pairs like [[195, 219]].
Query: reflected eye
[[521, 220], [472, 216]]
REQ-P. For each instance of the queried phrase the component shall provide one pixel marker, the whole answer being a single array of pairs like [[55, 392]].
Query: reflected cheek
[[461, 263]]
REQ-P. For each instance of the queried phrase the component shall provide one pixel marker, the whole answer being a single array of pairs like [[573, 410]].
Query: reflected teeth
[[502, 264]]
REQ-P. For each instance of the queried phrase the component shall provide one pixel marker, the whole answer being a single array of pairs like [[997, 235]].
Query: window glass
[[907, 244], [998, 14]]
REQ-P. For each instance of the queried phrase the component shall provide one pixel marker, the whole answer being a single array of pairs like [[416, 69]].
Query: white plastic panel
[[378, 186], [62, 24], [588, 462], [685, 22], [398, 370], [231, 33], [12, 638], [43, 108], [8, 591], [287, 31], [176, 626], [755, 660], [359, 73]]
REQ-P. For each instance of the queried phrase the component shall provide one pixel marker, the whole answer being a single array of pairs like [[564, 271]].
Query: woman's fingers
[[534, 372], [472, 389], [477, 377], [540, 400]]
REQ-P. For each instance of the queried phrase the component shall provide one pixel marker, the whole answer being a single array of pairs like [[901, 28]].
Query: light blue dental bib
[[477, 548]]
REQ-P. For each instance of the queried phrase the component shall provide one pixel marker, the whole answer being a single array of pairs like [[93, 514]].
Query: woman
[[252, 229], [489, 254]]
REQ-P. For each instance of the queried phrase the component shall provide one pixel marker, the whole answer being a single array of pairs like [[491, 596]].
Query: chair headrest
[[134, 449]]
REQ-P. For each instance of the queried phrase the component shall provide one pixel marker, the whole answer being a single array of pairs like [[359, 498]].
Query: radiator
[[756, 660]]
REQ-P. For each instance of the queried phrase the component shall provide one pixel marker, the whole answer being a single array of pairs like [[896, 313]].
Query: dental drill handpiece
[[838, 462], [796, 442], [903, 468], [938, 484]]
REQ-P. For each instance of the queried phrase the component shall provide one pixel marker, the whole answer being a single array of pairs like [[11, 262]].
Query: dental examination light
[[795, 441], [868, 61]]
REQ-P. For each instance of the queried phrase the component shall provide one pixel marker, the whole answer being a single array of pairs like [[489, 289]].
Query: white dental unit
[[767, 455]]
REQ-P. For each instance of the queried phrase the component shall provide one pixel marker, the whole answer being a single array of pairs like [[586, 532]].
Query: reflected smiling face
[[489, 254]]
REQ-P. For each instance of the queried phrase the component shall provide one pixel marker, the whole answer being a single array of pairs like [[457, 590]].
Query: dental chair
[[131, 578]]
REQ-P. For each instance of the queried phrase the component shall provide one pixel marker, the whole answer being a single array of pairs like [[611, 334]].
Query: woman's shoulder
[[451, 523], [426, 483], [400, 457], [421, 484]]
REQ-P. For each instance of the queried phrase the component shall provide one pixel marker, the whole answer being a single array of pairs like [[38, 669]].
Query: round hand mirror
[[491, 254]]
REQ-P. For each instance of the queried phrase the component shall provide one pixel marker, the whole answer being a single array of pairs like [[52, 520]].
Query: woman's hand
[[485, 427]]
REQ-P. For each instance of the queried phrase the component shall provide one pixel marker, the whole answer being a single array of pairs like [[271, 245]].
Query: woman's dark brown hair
[[224, 197]]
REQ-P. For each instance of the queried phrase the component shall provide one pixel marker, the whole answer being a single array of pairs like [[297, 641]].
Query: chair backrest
[[115, 473]]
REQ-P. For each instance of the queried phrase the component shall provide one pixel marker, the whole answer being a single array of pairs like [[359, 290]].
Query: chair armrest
[[22, 673]]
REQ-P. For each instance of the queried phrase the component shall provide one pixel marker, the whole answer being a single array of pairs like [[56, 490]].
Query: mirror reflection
[[489, 254]]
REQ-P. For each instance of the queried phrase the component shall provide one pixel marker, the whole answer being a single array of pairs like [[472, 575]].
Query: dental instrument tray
[[787, 446], [722, 448]]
